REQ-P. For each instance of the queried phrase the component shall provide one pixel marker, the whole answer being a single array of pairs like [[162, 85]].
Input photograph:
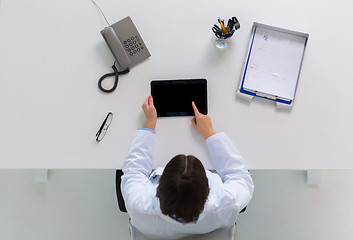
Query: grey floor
[[81, 204]]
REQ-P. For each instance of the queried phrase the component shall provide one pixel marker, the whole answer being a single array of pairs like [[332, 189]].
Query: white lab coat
[[230, 190]]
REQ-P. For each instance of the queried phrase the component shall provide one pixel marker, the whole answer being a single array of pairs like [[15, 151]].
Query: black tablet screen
[[174, 97]]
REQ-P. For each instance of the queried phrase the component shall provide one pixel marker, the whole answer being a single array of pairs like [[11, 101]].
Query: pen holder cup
[[222, 42]]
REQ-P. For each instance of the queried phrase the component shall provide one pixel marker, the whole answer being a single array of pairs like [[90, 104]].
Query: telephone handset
[[116, 48]]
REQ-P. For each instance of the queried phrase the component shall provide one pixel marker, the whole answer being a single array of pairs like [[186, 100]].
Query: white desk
[[52, 55]]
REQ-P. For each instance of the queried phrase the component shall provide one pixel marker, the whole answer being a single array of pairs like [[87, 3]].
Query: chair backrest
[[119, 195]]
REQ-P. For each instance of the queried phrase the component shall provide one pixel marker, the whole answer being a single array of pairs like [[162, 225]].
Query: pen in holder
[[223, 33]]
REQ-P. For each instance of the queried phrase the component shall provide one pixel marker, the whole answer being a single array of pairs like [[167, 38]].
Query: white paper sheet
[[274, 63]]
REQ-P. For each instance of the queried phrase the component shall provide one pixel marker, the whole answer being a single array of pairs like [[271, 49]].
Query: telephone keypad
[[133, 45]]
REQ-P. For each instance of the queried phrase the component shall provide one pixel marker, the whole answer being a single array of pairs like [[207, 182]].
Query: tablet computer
[[174, 97]]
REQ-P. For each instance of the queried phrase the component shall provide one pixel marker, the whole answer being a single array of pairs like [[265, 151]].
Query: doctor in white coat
[[220, 196]]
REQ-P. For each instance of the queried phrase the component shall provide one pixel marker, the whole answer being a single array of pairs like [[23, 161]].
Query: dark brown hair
[[183, 188]]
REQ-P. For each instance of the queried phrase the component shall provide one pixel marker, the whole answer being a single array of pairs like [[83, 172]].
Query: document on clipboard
[[273, 63]]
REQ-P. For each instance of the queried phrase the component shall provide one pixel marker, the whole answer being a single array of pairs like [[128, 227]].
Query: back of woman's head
[[183, 188]]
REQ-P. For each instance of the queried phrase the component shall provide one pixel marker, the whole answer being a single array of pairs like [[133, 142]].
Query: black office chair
[[119, 195]]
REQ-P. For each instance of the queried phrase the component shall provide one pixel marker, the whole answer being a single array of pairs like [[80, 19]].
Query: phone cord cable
[[116, 74]]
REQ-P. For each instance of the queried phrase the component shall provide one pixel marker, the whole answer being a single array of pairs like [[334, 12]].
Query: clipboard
[[272, 64]]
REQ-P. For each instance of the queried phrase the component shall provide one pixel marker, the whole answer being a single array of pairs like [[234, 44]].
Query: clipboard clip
[[260, 94]]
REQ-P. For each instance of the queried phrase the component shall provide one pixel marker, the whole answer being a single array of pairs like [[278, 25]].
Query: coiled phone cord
[[116, 74]]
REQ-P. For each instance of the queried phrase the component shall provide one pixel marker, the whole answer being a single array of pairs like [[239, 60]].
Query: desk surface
[[52, 55]]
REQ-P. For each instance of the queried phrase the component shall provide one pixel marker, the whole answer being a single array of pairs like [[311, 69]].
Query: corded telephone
[[125, 43], [127, 46]]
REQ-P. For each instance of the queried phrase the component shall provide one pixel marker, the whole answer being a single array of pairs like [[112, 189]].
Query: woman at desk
[[183, 198]]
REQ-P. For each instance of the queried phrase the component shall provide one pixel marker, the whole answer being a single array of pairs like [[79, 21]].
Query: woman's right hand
[[202, 123]]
